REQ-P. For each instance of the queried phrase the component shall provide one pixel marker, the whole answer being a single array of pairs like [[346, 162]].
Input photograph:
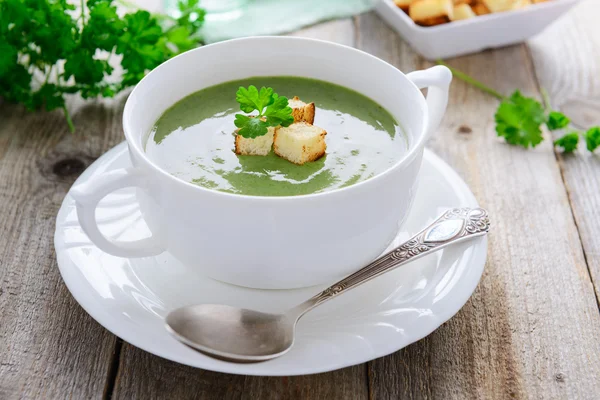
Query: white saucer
[[130, 297]]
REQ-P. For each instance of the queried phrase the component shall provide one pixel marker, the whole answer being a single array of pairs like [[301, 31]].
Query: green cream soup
[[194, 141]]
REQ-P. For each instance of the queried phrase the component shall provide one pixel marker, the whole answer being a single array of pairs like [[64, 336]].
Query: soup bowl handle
[[437, 81], [88, 195]]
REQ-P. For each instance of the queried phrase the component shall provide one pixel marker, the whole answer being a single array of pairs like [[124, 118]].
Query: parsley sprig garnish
[[519, 119], [48, 49], [273, 110]]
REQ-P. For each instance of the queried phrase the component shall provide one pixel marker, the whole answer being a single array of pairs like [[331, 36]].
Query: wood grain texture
[[529, 331], [531, 328], [574, 88], [341, 31], [49, 347], [144, 376]]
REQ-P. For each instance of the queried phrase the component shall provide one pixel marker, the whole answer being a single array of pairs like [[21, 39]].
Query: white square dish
[[472, 35]]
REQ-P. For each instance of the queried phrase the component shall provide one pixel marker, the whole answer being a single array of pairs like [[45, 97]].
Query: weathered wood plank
[[49, 346], [341, 31], [347, 383], [567, 61], [143, 376], [531, 328]]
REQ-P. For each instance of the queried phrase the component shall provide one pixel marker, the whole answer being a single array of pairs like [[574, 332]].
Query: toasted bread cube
[[403, 4], [302, 111], [300, 142], [258, 146], [502, 5], [462, 11], [521, 4], [434, 21], [480, 9], [459, 2], [431, 12]]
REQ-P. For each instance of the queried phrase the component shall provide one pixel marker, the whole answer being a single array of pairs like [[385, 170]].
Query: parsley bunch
[[519, 119], [49, 49], [273, 110]]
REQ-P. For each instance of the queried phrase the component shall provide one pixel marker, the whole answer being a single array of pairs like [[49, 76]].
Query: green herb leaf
[[241, 120], [248, 98], [251, 99], [192, 16], [592, 138], [84, 68], [48, 51], [250, 127], [8, 58], [273, 110], [103, 28], [557, 120], [279, 113], [568, 142], [518, 120]]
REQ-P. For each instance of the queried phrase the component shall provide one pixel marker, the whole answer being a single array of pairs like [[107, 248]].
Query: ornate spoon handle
[[453, 226]]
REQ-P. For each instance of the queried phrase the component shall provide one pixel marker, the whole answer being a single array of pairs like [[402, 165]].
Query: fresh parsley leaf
[[273, 110], [180, 38], [266, 97], [192, 16], [518, 120], [138, 46], [8, 58], [247, 98], [557, 120], [250, 127], [568, 142], [48, 97], [84, 68], [252, 99], [279, 113], [241, 120], [592, 138], [104, 27], [48, 50]]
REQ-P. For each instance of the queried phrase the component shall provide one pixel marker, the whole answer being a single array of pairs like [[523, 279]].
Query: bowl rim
[[413, 148], [480, 19]]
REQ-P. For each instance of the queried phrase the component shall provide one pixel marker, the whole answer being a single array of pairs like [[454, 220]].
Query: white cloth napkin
[[271, 17]]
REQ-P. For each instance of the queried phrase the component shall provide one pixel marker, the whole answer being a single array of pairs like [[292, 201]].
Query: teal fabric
[[272, 17]]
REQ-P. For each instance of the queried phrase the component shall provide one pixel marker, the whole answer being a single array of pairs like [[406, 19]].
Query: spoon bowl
[[232, 333], [242, 335]]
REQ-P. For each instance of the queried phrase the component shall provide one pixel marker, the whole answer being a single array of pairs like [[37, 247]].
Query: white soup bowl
[[269, 242]]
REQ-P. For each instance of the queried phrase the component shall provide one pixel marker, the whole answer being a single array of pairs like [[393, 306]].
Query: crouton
[[258, 146], [300, 142], [433, 21], [521, 4], [403, 4], [459, 2], [480, 9], [431, 12], [501, 5], [302, 111], [462, 11]]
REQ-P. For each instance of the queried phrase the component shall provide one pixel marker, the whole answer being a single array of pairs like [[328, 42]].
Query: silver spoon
[[241, 335]]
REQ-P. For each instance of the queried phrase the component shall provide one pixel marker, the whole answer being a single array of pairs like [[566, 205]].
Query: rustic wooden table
[[531, 329]]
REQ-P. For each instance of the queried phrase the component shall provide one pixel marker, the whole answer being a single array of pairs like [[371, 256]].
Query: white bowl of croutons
[[450, 28]]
